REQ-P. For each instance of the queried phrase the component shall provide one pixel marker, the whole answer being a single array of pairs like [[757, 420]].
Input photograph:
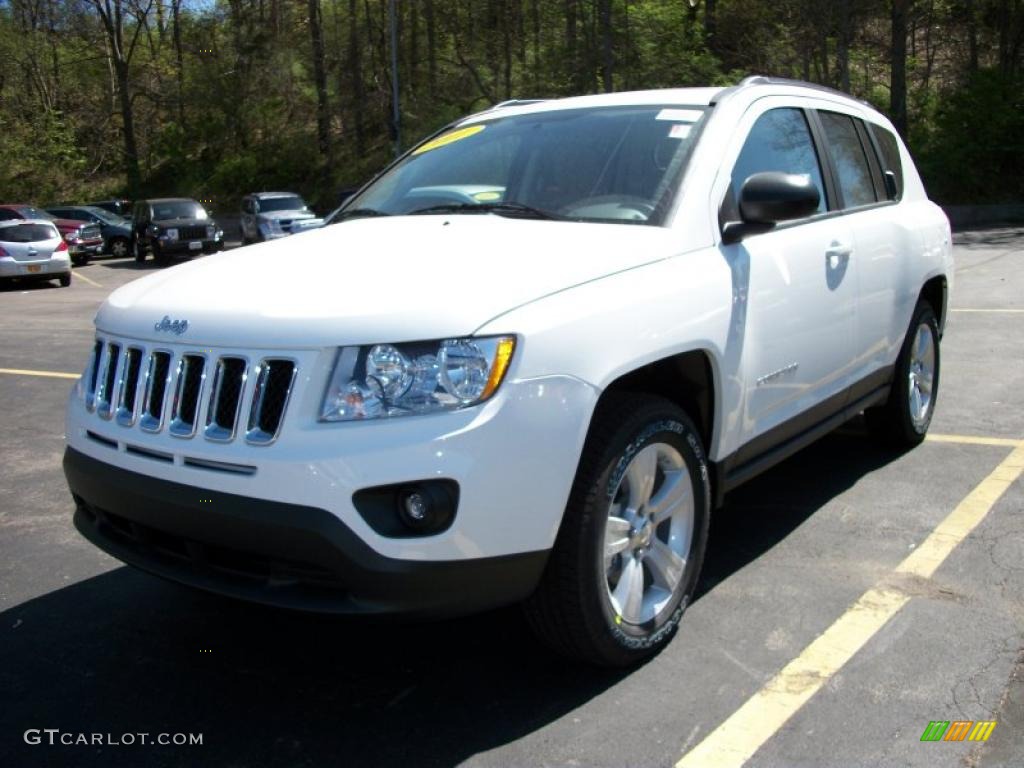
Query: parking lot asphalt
[[812, 642]]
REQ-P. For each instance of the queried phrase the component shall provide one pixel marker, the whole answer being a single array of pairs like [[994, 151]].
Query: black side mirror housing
[[768, 198]]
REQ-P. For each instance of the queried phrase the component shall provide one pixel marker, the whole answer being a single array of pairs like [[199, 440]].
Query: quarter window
[[849, 159], [890, 155], [779, 141]]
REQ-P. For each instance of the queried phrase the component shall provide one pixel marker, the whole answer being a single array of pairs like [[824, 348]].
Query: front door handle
[[837, 253]]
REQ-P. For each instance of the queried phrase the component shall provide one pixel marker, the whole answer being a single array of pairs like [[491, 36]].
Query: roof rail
[[755, 80], [517, 103]]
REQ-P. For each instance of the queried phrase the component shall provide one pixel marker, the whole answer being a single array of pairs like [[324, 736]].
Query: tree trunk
[[180, 58], [131, 150], [607, 58], [710, 24], [428, 11], [843, 40], [898, 66], [571, 50], [355, 68], [323, 126]]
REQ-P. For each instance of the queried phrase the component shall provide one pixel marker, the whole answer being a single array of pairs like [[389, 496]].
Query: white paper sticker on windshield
[[679, 131], [680, 115]]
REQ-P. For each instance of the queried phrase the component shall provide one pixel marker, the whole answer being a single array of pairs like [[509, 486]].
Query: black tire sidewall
[[923, 313], [669, 425]]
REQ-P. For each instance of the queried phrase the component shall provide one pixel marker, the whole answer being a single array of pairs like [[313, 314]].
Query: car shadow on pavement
[[763, 512], [124, 652]]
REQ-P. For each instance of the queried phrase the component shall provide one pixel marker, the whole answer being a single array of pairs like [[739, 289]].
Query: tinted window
[[282, 204], [7, 214], [27, 233], [850, 161], [890, 155], [65, 213], [779, 141], [178, 209]]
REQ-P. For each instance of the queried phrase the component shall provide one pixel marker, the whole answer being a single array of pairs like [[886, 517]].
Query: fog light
[[403, 510], [416, 507]]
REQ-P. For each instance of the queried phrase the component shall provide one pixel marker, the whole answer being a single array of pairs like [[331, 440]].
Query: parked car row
[[164, 227]]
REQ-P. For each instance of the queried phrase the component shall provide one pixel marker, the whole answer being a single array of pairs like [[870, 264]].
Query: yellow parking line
[[46, 374], [90, 281], [1000, 442], [737, 739], [992, 311]]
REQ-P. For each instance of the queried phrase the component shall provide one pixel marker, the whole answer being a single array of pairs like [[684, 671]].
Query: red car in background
[[84, 239]]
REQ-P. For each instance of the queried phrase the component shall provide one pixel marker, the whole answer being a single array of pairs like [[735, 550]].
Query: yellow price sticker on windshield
[[449, 138]]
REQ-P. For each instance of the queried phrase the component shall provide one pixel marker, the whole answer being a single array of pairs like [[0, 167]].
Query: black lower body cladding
[[276, 553]]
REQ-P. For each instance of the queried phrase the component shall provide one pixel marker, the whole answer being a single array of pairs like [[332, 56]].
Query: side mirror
[[768, 198]]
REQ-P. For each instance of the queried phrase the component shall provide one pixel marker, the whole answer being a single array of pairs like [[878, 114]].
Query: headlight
[[211, 232], [171, 234], [405, 379]]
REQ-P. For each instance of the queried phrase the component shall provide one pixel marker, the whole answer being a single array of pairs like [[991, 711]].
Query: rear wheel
[[80, 260], [627, 557], [906, 416], [65, 280]]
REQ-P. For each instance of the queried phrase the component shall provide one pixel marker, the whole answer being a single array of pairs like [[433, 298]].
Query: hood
[[278, 215], [365, 281]]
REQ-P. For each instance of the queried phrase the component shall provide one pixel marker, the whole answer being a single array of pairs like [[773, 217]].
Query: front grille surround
[[183, 392]]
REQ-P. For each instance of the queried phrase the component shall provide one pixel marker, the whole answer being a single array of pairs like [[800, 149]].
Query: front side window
[[849, 159], [779, 141], [607, 164]]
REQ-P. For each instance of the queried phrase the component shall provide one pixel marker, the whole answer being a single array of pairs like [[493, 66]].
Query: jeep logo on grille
[[177, 327]]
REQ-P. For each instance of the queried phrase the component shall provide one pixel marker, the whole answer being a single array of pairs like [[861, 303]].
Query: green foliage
[[973, 149], [224, 101]]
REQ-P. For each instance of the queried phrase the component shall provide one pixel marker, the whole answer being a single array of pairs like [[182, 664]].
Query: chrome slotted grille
[[270, 398], [154, 389]]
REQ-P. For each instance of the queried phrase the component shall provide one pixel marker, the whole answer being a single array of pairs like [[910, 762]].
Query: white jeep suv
[[522, 364]]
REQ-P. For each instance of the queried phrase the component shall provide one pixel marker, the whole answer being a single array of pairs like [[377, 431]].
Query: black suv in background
[[173, 226]]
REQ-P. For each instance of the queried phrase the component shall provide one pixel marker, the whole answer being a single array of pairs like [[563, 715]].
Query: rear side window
[[890, 155], [27, 233], [779, 141], [849, 159], [8, 215]]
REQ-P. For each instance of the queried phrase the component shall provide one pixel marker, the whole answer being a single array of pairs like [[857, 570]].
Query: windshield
[[293, 203], [34, 213], [105, 216], [607, 164], [178, 209]]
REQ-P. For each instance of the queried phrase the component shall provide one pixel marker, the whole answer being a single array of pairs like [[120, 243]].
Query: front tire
[[627, 557], [904, 419], [80, 261]]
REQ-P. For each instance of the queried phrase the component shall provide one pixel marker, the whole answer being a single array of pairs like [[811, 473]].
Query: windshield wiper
[[359, 213], [509, 208]]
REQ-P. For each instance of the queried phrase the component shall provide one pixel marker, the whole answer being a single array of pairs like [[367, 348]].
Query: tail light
[[62, 247], [3, 254]]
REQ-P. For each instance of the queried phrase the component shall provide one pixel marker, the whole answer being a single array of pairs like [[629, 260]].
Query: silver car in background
[[33, 249], [270, 215]]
